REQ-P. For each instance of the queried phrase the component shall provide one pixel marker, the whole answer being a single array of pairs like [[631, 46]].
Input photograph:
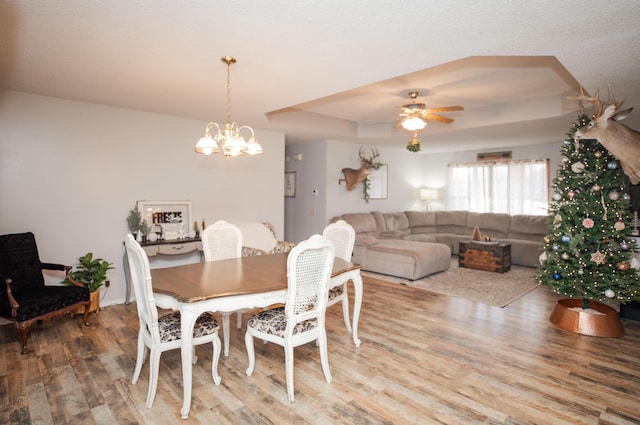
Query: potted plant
[[92, 273], [134, 220], [145, 229]]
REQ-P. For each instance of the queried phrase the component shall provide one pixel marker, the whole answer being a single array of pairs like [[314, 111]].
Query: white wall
[[306, 213], [71, 171]]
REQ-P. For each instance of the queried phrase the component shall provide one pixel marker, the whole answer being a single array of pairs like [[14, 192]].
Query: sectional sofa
[[399, 243]]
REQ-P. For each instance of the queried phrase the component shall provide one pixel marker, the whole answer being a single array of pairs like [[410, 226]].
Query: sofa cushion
[[528, 227], [365, 240], [257, 235], [396, 221], [492, 224], [362, 223], [452, 222], [421, 237], [421, 221]]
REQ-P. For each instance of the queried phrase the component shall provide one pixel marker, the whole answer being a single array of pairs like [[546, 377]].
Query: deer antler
[[612, 100], [595, 100], [368, 161]]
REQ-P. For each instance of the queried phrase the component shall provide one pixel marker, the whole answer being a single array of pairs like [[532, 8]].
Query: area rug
[[496, 289]]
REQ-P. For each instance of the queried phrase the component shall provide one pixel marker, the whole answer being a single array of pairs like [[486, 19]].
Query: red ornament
[[623, 266]]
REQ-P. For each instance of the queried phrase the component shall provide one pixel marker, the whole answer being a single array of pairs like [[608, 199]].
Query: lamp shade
[[428, 194]]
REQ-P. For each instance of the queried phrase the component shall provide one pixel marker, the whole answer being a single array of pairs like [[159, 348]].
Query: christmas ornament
[[609, 293], [614, 196], [626, 197], [623, 266], [557, 219], [612, 165], [619, 225], [557, 196], [596, 187], [597, 154], [547, 240], [565, 238], [555, 247], [557, 276], [580, 271], [565, 256], [571, 194], [566, 142], [624, 246], [577, 167], [632, 240], [588, 223], [598, 257]]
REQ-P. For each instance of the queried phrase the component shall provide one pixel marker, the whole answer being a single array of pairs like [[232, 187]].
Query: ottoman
[[407, 259]]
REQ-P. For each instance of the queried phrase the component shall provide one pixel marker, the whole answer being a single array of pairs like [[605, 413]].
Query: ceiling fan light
[[413, 124]]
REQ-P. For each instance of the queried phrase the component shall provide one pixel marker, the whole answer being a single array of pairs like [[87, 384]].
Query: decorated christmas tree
[[589, 245]]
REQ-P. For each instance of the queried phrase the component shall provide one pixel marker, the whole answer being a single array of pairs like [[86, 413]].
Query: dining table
[[229, 285]]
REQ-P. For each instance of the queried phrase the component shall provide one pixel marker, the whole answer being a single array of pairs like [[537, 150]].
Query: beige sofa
[[525, 233]]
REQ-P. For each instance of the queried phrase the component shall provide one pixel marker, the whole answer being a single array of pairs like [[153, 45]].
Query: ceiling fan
[[415, 114]]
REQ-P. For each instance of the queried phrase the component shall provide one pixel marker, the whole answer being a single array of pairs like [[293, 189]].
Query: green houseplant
[[91, 272]]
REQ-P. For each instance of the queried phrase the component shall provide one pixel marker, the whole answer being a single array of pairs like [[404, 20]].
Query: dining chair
[[160, 334], [301, 319], [221, 241], [343, 237]]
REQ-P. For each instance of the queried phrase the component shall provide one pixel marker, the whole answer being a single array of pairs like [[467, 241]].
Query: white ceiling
[[333, 69]]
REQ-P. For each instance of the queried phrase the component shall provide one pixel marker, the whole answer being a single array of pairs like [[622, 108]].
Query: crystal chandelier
[[233, 143]]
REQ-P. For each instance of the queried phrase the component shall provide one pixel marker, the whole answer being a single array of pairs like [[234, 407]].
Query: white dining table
[[229, 285]]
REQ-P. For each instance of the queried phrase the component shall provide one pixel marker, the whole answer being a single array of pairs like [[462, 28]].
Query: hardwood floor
[[424, 359]]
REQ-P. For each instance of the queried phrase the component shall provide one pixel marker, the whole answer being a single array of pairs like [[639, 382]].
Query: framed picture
[[290, 184], [171, 219], [378, 183]]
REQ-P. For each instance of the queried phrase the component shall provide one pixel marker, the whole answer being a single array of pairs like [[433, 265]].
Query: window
[[511, 187]]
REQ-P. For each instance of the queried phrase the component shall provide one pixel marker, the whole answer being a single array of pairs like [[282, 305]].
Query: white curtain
[[511, 187]]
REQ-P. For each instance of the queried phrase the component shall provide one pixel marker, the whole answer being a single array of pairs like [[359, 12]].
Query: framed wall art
[[171, 219], [290, 184], [378, 183]]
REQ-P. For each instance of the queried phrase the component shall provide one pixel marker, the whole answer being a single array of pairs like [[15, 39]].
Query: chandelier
[[232, 142]]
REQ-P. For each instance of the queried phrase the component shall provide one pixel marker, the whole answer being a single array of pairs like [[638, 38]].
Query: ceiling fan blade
[[445, 109], [439, 118]]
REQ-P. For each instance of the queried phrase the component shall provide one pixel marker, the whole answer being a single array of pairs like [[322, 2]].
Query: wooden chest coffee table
[[487, 256]]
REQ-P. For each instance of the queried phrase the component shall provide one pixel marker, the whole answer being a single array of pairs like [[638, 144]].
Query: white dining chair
[[343, 237], [302, 318], [160, 334], [221, 241]]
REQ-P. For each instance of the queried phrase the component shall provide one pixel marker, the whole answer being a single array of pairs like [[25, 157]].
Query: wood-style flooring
[[425, 359]]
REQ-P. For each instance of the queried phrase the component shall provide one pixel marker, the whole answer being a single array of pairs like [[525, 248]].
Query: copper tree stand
[[566, 317]]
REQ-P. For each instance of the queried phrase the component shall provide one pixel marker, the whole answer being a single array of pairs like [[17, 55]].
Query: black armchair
[[23, 295]]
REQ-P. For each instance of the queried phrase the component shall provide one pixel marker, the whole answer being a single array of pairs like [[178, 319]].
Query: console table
[[162, 248], [487, 256]]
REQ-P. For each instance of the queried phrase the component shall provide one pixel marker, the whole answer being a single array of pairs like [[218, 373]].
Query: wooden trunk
[[483, 256]]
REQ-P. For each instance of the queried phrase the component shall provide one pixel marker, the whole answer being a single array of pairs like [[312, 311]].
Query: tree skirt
[[496, 289]]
